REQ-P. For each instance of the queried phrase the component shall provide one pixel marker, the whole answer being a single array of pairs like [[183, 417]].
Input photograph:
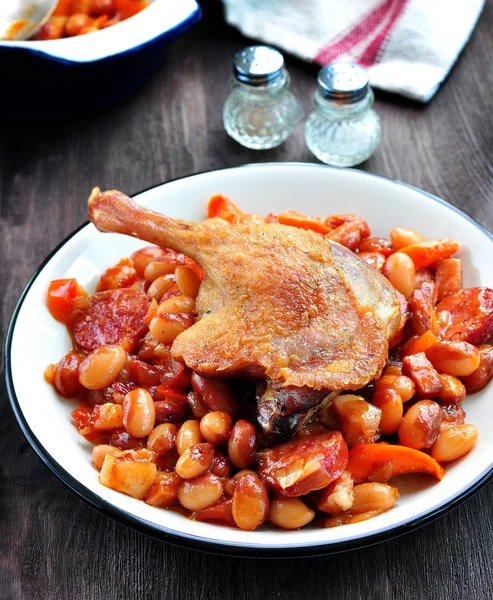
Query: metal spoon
[[20, 19]]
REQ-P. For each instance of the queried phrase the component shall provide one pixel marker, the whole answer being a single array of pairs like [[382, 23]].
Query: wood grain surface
[[54, 546]]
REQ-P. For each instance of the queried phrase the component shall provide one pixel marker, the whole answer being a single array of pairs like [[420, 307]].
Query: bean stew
[[168, 436]]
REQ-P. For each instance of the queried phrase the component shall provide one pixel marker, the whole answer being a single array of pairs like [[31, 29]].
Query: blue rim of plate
[[202, 543], [171, 33]]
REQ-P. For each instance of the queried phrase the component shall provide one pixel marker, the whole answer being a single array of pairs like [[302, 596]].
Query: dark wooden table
[[53, 545]]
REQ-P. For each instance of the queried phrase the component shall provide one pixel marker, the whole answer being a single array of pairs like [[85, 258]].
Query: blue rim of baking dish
[[190, 19], [240, 549]]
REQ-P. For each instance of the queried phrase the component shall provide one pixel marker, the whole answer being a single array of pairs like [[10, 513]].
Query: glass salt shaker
[[261, 112], [343, 130]]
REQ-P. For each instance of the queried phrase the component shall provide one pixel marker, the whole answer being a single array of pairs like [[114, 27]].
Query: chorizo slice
[[469, 316], [113, 317]]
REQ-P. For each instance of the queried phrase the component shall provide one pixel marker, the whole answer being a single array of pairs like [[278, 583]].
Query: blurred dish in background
[[78, 17], [58, 78]]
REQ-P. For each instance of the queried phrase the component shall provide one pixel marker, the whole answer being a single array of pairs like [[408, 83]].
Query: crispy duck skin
[[276, 303]]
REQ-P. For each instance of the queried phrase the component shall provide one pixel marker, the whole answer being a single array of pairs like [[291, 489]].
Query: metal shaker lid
[[344, 82], [258, 65]]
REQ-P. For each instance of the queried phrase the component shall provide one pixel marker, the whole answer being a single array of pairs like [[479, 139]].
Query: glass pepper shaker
[[261, 112], [343, 130]]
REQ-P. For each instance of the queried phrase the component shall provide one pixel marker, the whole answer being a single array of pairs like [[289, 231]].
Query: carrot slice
[[61, 293], [295, 219], [417, 344], [426, 253], [222, 208], [380, 462]]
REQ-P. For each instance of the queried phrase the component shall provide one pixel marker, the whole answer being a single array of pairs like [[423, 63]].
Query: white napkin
[[408, 46]]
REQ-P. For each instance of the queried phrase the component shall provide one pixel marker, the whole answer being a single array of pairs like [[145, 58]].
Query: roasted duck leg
[[277, 303]]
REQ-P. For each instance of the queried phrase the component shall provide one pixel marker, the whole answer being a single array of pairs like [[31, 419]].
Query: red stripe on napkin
[[370, 54], [386, 13], [358, 33]]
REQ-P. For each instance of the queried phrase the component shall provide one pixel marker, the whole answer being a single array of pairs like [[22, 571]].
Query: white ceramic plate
[[35, 339]]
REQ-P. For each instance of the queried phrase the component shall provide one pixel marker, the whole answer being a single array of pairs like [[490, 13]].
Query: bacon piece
[[304, 464]]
